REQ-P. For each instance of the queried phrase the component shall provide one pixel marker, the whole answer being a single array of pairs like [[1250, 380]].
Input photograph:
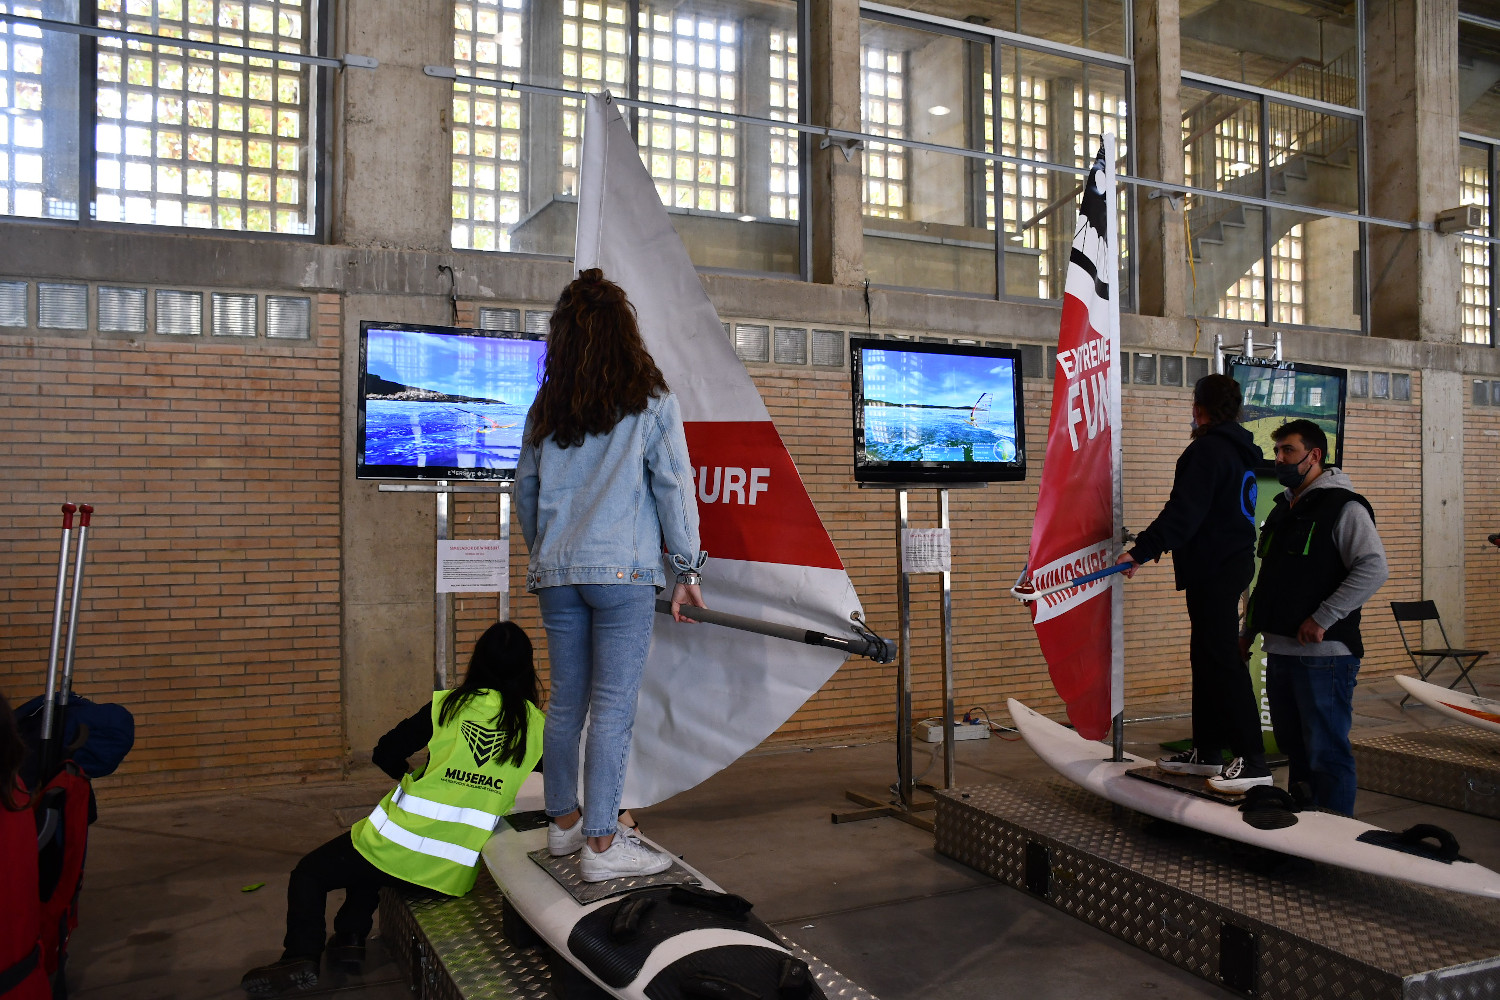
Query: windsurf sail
[[709, 694], [1077, 526], [981, 407]]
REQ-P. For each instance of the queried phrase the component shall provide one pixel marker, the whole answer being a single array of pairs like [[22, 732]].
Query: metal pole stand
[[442, 653], [903, 805]]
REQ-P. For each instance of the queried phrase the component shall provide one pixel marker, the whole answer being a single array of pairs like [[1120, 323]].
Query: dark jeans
[[335, 865], [1225, 716], [1312, 708]]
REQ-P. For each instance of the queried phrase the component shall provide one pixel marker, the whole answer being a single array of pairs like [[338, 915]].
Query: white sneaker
[[1239, 776], [1188, 762], [625, 857], [561, 843]]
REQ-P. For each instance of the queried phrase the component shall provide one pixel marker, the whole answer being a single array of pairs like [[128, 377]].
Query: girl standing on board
[[602, 482]]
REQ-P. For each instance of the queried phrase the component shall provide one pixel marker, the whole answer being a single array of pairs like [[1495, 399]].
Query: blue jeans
[[598, 636], [1312, 708]]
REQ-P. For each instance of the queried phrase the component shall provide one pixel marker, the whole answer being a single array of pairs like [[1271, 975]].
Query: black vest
[[1300, 566]]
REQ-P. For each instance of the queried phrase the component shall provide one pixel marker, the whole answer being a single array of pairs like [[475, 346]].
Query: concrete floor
[[165, 913]]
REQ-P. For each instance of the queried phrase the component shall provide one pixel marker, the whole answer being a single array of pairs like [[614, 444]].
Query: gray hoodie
[[1360, 547]]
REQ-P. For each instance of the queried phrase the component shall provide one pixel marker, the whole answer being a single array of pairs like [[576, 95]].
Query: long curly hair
[[597, 370]]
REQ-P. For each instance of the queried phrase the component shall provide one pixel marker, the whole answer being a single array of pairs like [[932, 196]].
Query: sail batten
[[1077, 526], [709, 694]]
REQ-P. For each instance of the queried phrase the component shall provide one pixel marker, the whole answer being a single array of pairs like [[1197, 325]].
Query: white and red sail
[[1077, 530], [709, 693]]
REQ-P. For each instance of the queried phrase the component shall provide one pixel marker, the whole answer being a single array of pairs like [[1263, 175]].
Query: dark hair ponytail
[[502, 662]]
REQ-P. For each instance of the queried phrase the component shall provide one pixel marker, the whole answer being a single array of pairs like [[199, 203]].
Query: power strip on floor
[[931, 731]]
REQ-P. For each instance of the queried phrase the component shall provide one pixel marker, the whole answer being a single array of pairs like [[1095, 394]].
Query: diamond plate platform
[[455, 949], [1457, 767], [1257, 922], [565, 871]]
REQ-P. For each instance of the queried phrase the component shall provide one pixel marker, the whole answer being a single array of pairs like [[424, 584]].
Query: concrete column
[[542, 112], [1161, 246], [1411, 62], [392, 182], [1412, 67], [834, 205], [755, 142]]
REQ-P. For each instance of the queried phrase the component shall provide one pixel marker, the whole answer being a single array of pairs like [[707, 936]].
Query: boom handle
[[878, 649]]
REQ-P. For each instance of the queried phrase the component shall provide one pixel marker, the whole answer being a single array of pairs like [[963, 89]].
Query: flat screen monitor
[[438, 402], [936, 413], [1278, 391]]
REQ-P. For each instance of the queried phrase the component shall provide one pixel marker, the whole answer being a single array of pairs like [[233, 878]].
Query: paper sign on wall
[[473, 565], [926, 550]]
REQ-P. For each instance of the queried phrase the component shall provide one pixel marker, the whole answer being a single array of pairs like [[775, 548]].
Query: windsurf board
[[1317, 836], [677, 934], [1470, 708]]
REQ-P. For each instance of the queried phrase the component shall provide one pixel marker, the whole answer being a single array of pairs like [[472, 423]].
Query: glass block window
[[21, 131], [690, 60], [594, 48], [790, 345], [122, 310], [882, 85], [828, 348], [1245, 299], [785, 97], [234, 314], [1474, 256], [187, 137], [288, 317], [499, 319], [752, 342], [179, 314], [13, 310], [62, 306], [1023, 192], [487, 163]]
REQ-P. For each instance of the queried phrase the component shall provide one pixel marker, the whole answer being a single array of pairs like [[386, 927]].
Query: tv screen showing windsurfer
[[936, 413], [1208, 524]]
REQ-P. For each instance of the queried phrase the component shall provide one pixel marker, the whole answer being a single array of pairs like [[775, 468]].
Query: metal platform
[[1257, 922], [1457, 767], [454, 949]]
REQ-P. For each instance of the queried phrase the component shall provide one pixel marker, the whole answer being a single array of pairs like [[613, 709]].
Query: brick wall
[[1482, 518], [211, 595]]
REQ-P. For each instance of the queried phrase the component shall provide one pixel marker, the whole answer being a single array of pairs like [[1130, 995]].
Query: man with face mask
[[1208, 524], [1321, 559]]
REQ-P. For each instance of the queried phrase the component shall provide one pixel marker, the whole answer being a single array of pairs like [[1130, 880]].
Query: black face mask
[[1290, 476]]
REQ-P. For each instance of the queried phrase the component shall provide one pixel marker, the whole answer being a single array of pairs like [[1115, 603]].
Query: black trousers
[[335, 865], [1225, 716]]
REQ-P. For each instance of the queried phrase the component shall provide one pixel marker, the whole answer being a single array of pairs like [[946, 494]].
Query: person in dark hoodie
[[1208, 524]]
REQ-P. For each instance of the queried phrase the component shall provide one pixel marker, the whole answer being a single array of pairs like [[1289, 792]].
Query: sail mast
[[1116, 457]]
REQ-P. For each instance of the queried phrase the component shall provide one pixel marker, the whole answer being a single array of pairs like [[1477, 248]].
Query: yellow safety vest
[[429, 829]]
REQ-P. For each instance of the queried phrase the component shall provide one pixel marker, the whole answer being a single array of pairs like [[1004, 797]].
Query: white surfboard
[[1317, 836], [1470, 708], [691, 942]]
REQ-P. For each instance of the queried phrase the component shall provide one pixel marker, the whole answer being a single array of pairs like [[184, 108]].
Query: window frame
[[1263, 98], [319, 105], [1491, 237], [1000, 42]]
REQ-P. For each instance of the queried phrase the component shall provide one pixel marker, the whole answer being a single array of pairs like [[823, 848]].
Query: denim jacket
[[600, 511]]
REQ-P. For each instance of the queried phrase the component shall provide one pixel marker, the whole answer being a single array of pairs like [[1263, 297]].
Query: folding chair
[[1424, 611]]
